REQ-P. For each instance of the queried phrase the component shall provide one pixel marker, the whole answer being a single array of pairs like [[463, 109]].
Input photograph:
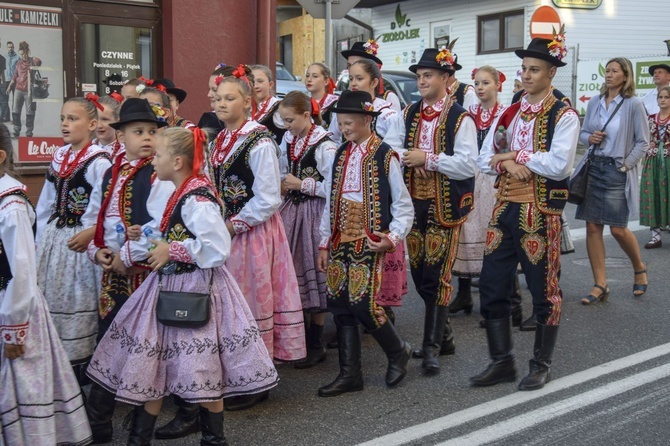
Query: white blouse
[[18, 299]]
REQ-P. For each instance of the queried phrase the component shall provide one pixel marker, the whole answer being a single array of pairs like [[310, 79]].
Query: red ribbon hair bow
[[94, 98], [116, 96], [147, 82], [330, 88], [161, 87], [240, 71], [315, 107], [502, 78], [199, 141]]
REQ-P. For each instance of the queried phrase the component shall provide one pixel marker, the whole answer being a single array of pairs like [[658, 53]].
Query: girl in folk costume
[[69, 281], [133, 88], [108, 113], [655, 193], [142, 359], [208, 121], [244, 165], [128, 197], [41, 402], [321, 87], [364, 75], [264, 109], [306, 161], [472, 241]]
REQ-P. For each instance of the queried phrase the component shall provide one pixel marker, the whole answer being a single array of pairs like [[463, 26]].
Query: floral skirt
[[139, 359]]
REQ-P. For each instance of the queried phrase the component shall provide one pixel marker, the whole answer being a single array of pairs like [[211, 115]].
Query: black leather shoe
[[540, 365], [185, 421], [529, 324], [397, 351], [501, 368], [243, 402], [350, 378], [462, 302]]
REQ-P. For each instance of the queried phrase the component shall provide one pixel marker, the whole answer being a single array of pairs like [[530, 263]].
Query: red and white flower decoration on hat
[[368, 107], [371, 47], [445, 57], [557, 47]]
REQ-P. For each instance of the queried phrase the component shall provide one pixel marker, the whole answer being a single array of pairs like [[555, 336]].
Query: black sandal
[[640, 288], [602, 297]]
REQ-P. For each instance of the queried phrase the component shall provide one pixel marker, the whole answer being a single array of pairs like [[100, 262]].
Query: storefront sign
[[400, 29], [36, 34], [644, 80], [578, 4]]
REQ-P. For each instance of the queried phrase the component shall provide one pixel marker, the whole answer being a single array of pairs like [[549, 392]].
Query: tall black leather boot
[[515, 300], [501, 369], [212, 428], [142, 428], [185, 421], [433, 333], [350, 378], [463, 300], [16, 120], [397, 351], [30, 124], [540, 365], [447, 346], [100, 406], [316, 347]]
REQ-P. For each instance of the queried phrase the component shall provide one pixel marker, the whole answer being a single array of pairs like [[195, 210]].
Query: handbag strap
[[593, 147], [211, 281]]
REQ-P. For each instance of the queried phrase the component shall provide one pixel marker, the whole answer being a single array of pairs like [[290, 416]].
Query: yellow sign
[[578, 4]]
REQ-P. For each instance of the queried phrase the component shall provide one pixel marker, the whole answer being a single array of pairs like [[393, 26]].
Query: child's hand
[[118, 266], [160, 255], [382, 245], [79, 242], [104, 258], [134, 232], [322, 261], [14, 351], [291, 182], [414, 158]]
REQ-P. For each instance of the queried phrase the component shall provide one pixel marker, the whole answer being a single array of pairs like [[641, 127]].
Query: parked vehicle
[[400, 82], [286, 82]]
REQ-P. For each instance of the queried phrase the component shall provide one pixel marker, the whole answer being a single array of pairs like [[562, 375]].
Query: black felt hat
[[171, 89], [457, 66], [358, 49], [429, 59], [355, 102], [665, 66], [136, 110], [539, 49]]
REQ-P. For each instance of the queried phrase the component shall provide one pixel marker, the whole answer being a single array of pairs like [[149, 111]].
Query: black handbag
[[183, 309], [580, 181]]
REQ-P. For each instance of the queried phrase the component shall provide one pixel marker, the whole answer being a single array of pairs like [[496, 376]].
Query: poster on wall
[[31, 95]]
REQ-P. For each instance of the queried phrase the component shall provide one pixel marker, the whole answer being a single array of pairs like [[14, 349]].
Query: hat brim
[[178, 93], [457, 67], [138, 118], [415, 67], [356, 111], [362, 54], [538, 55], [653, 68]]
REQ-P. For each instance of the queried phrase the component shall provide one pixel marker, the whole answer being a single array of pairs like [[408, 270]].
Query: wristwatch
[[623, 169]]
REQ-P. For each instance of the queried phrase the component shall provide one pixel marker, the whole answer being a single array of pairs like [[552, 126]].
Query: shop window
[[500, 32], [112, 55]]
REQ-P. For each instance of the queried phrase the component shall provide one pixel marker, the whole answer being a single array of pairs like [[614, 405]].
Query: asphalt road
[[611, 381]]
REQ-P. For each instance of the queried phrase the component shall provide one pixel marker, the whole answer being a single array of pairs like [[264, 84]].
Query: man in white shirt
[[661, 75]]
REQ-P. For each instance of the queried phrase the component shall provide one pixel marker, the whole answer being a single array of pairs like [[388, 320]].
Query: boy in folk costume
[[463, 94], [441, 142], [368, 212], [533, 161]]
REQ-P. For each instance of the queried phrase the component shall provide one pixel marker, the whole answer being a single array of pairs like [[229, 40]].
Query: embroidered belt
[[515, 191], [350, 220], [424, 188]]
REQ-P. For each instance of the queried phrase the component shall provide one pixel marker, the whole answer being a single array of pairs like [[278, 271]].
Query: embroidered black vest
[[72, 193], [454, 199], [134, 194], [268, 121], [178, 232], [304, 168], [460, 93], [327, 115], [550, 195], [375, 186], [234, 179], [5, 270]]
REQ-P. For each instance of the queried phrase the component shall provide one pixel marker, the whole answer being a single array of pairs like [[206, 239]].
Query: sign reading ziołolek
[[578, 4], [397, 30]]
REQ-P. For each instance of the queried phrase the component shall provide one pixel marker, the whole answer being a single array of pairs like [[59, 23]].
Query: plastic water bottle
[[120, 234], [500, 138], [168, 268], [149, 234]]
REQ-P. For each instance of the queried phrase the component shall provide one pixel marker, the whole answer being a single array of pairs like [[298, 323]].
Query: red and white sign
[[544, 21], [35, 149]]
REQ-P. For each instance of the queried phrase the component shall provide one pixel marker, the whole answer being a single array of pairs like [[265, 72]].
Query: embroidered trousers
[[520, 233], [432, 252], [115, 291], [352, 282]]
